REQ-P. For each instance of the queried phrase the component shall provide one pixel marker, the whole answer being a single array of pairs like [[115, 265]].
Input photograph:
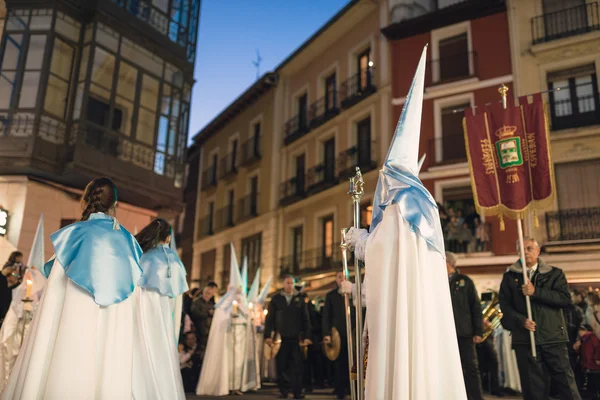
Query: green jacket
[[551, 296]]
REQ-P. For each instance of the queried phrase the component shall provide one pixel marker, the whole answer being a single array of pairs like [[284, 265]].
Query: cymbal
[[332, 350]]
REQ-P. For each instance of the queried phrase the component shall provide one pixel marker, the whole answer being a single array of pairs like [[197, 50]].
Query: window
[[327, 239], [207, 265], [364, 69], [453, 140], [210, 218], [330, 92], [256, 139], [215, 160], [234, 147], [33, 71], [363, 142], [254, 195], [303, 112], [297, 244], [329, 160], [230, 206], [57, 91], [300, 174], [125, 96], [576, 103], [454, 58], [551, 6], [10, 64], [251, 248], [575, 189], [226, 264]]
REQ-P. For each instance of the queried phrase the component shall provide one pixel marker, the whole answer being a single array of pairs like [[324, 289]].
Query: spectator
[[201, 313], [592, 314], [466, 236], [481, 235], [190, 362], [588, 347]]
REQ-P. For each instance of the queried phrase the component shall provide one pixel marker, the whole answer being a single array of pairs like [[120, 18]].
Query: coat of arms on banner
[[509, 147]]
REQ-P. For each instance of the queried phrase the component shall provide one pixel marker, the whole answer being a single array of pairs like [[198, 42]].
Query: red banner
[[509, 158]]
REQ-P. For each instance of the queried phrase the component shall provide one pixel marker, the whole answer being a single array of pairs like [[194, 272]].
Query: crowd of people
[[463, 229]]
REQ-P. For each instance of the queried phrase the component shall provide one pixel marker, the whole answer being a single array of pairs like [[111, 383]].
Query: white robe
[[229, 359], [75, 348], [18, 321], [413, 349], [156, 361]]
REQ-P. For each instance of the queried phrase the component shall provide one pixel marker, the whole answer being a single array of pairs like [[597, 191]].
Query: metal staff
[[503, 90], [348, 315], [356, 191]]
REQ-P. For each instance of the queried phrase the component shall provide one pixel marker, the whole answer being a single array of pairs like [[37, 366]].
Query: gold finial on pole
[[503, 90]]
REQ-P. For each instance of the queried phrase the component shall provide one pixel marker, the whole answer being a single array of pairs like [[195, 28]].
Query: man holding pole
[[547, 287]]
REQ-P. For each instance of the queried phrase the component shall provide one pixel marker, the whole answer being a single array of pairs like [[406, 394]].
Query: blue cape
[[163, 271], [98, 258]]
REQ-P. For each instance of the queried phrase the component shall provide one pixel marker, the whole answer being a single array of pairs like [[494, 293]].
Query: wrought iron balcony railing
[[206, 227], [251, 151], [209, 178], [323, 109], [229, 165], [224, 218], [452, 68], [351, 158], [248, 207], [357, 87], [25, 125], [321, 259], [574, 224], [295, 128], [564, 23], [292, 190], [448, 149]]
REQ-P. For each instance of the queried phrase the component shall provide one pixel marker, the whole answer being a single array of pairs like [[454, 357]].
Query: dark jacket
[[333, 313], [202, 319], [466, 306], [551, 296], [5, 297], [291, 321]]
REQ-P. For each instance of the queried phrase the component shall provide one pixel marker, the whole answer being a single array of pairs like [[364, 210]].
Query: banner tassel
[[536, 221], [502, 226]]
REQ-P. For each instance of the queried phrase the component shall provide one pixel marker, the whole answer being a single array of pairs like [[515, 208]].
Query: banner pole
[[503, 90]]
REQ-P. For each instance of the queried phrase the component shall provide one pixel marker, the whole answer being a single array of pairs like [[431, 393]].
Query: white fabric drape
[[413, 349], [75, 349]]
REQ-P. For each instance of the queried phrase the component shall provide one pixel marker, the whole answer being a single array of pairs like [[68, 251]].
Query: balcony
[[351, 158], [205, 228], [357, 88], [224, 218], [320, 178], [209, 178], [292, 191], [321, 259], [565, 23], [250, 151], [323, 109], [574, 224], [247, 207], [452, 68], [228, 166], [295, 128], [448, 149]]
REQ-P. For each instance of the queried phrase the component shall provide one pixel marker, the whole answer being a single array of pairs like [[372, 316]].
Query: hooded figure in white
[[19, 316], [228, 364], [412, 349]]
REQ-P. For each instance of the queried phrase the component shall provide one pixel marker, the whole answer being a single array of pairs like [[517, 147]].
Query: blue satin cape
[[98, 258], [163, 272]]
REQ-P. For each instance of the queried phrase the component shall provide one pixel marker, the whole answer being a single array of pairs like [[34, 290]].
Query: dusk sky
[[232, 31]]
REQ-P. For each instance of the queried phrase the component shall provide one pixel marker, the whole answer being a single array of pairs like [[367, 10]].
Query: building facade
[[92, 88], [556, 45]]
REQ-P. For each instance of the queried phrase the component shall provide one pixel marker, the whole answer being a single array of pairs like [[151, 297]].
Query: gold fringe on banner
[[502, 226], [536, 221]]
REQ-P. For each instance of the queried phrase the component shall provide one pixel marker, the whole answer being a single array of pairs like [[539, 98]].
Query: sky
[[230, 33]]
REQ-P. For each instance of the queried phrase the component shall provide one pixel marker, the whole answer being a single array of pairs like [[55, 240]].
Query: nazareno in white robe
[[413, 349], [75, 348]]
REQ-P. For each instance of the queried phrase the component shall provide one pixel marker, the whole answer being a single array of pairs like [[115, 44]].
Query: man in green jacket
[[547, 287]]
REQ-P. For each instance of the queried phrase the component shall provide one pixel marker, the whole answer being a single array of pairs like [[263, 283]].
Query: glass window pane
[[103, 68], [41, 22], [142, 57], [166, 100], [78, 101], [127, 81], [12, 52], [145, 127], [585, 94], [107, 37], [159, 163], [122, 116], [562, 99], [17, 22], [56, 96], [100, 92], [29, 89], [163, 5], [62, 59], [7, 85], [163, 130], [172, 136], [89, 33], [35, 54], [149, 95], [67, 27]]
